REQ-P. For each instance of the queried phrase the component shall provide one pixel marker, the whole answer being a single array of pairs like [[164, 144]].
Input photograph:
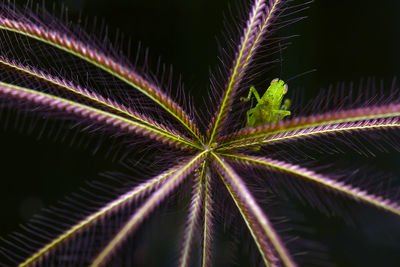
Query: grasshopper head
[[277, 90]]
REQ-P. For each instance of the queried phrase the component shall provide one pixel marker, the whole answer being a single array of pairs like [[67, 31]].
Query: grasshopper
[[269, 107]]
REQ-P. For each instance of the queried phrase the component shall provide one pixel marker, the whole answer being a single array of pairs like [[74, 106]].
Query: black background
[[343, 40]]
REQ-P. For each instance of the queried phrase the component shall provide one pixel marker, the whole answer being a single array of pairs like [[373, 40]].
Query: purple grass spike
[[362, 118], [207, 223], [96, 98], [101, 60], [322, 181], [194, 212], [97, 116], [125, 199], [270, 245], [147, 207], [260, 19]]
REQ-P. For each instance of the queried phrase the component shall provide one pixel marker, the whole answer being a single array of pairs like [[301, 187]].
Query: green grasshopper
[[268, 108]]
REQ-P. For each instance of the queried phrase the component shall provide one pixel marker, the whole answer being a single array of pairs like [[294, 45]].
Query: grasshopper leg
[[254, 92]]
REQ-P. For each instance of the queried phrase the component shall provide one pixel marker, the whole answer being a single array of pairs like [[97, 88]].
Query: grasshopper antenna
[[300, 74], [280, 60]]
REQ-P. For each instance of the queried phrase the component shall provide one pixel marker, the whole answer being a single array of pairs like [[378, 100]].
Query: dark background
[[343, 40]]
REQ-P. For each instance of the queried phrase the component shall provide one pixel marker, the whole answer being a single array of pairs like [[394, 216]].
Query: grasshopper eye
[[285, 88], [274, 80]]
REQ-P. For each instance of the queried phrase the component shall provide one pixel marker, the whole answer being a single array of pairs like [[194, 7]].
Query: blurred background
[[344, 41]]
